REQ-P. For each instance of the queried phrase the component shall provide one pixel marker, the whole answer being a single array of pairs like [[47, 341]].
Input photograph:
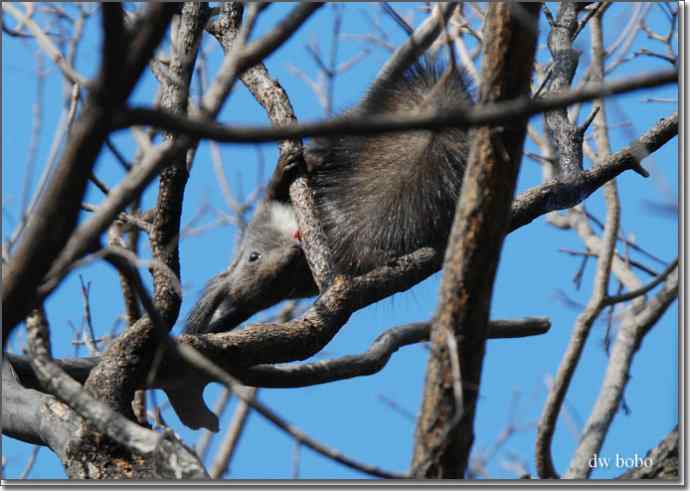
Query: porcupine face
[[269, 266]]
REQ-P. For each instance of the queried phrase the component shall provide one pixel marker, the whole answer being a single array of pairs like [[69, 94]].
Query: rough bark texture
[[444, 433], [91, 439], [569, 190], [565, 135], [665, 459], [93, 455], [113, 381], [166, 223]]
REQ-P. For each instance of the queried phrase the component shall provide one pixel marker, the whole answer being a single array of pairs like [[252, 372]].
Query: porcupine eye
[[254, 256]]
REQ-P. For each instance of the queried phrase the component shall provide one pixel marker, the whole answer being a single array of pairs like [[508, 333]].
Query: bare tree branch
[[184, 385], [376, 357], [174, 458], [22, 410], [564, 193], [493, 113], [565, 133], [54, 220], [114, 53], [46, 45], [628, 340], [445, 430], [227, 448], [195, 358]]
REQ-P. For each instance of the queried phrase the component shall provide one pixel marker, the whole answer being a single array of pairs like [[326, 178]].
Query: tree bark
[[444, 434], [664, 458]]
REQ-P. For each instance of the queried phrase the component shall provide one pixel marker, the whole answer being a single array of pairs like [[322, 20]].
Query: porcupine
[[378, 197]]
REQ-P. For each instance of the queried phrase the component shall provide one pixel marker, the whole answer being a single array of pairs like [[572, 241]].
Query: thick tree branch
[[148, 29], [169, 454], [445, 427], [383, 346], [172, 375], [165, 231], [114, 54], [375, 358], [22, 410], [567, 140]]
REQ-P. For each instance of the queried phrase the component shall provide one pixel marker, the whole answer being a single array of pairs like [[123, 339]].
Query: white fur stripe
[[283, 218]]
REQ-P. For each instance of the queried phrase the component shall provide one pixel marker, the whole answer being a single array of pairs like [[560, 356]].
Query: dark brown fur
[[387, 195], [378, 197]]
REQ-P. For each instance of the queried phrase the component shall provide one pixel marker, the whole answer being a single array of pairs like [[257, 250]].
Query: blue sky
[[533, 275]]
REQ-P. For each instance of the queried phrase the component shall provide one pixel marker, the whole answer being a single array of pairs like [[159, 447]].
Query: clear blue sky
[[350, 415]]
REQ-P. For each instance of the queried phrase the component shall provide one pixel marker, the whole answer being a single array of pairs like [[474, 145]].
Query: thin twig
[[46, 45], [135, 221], [632, 263], [641, 291], [89, 336], [195, 358], [29, 463], [36, 123], [228, 446], [628, 243]]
